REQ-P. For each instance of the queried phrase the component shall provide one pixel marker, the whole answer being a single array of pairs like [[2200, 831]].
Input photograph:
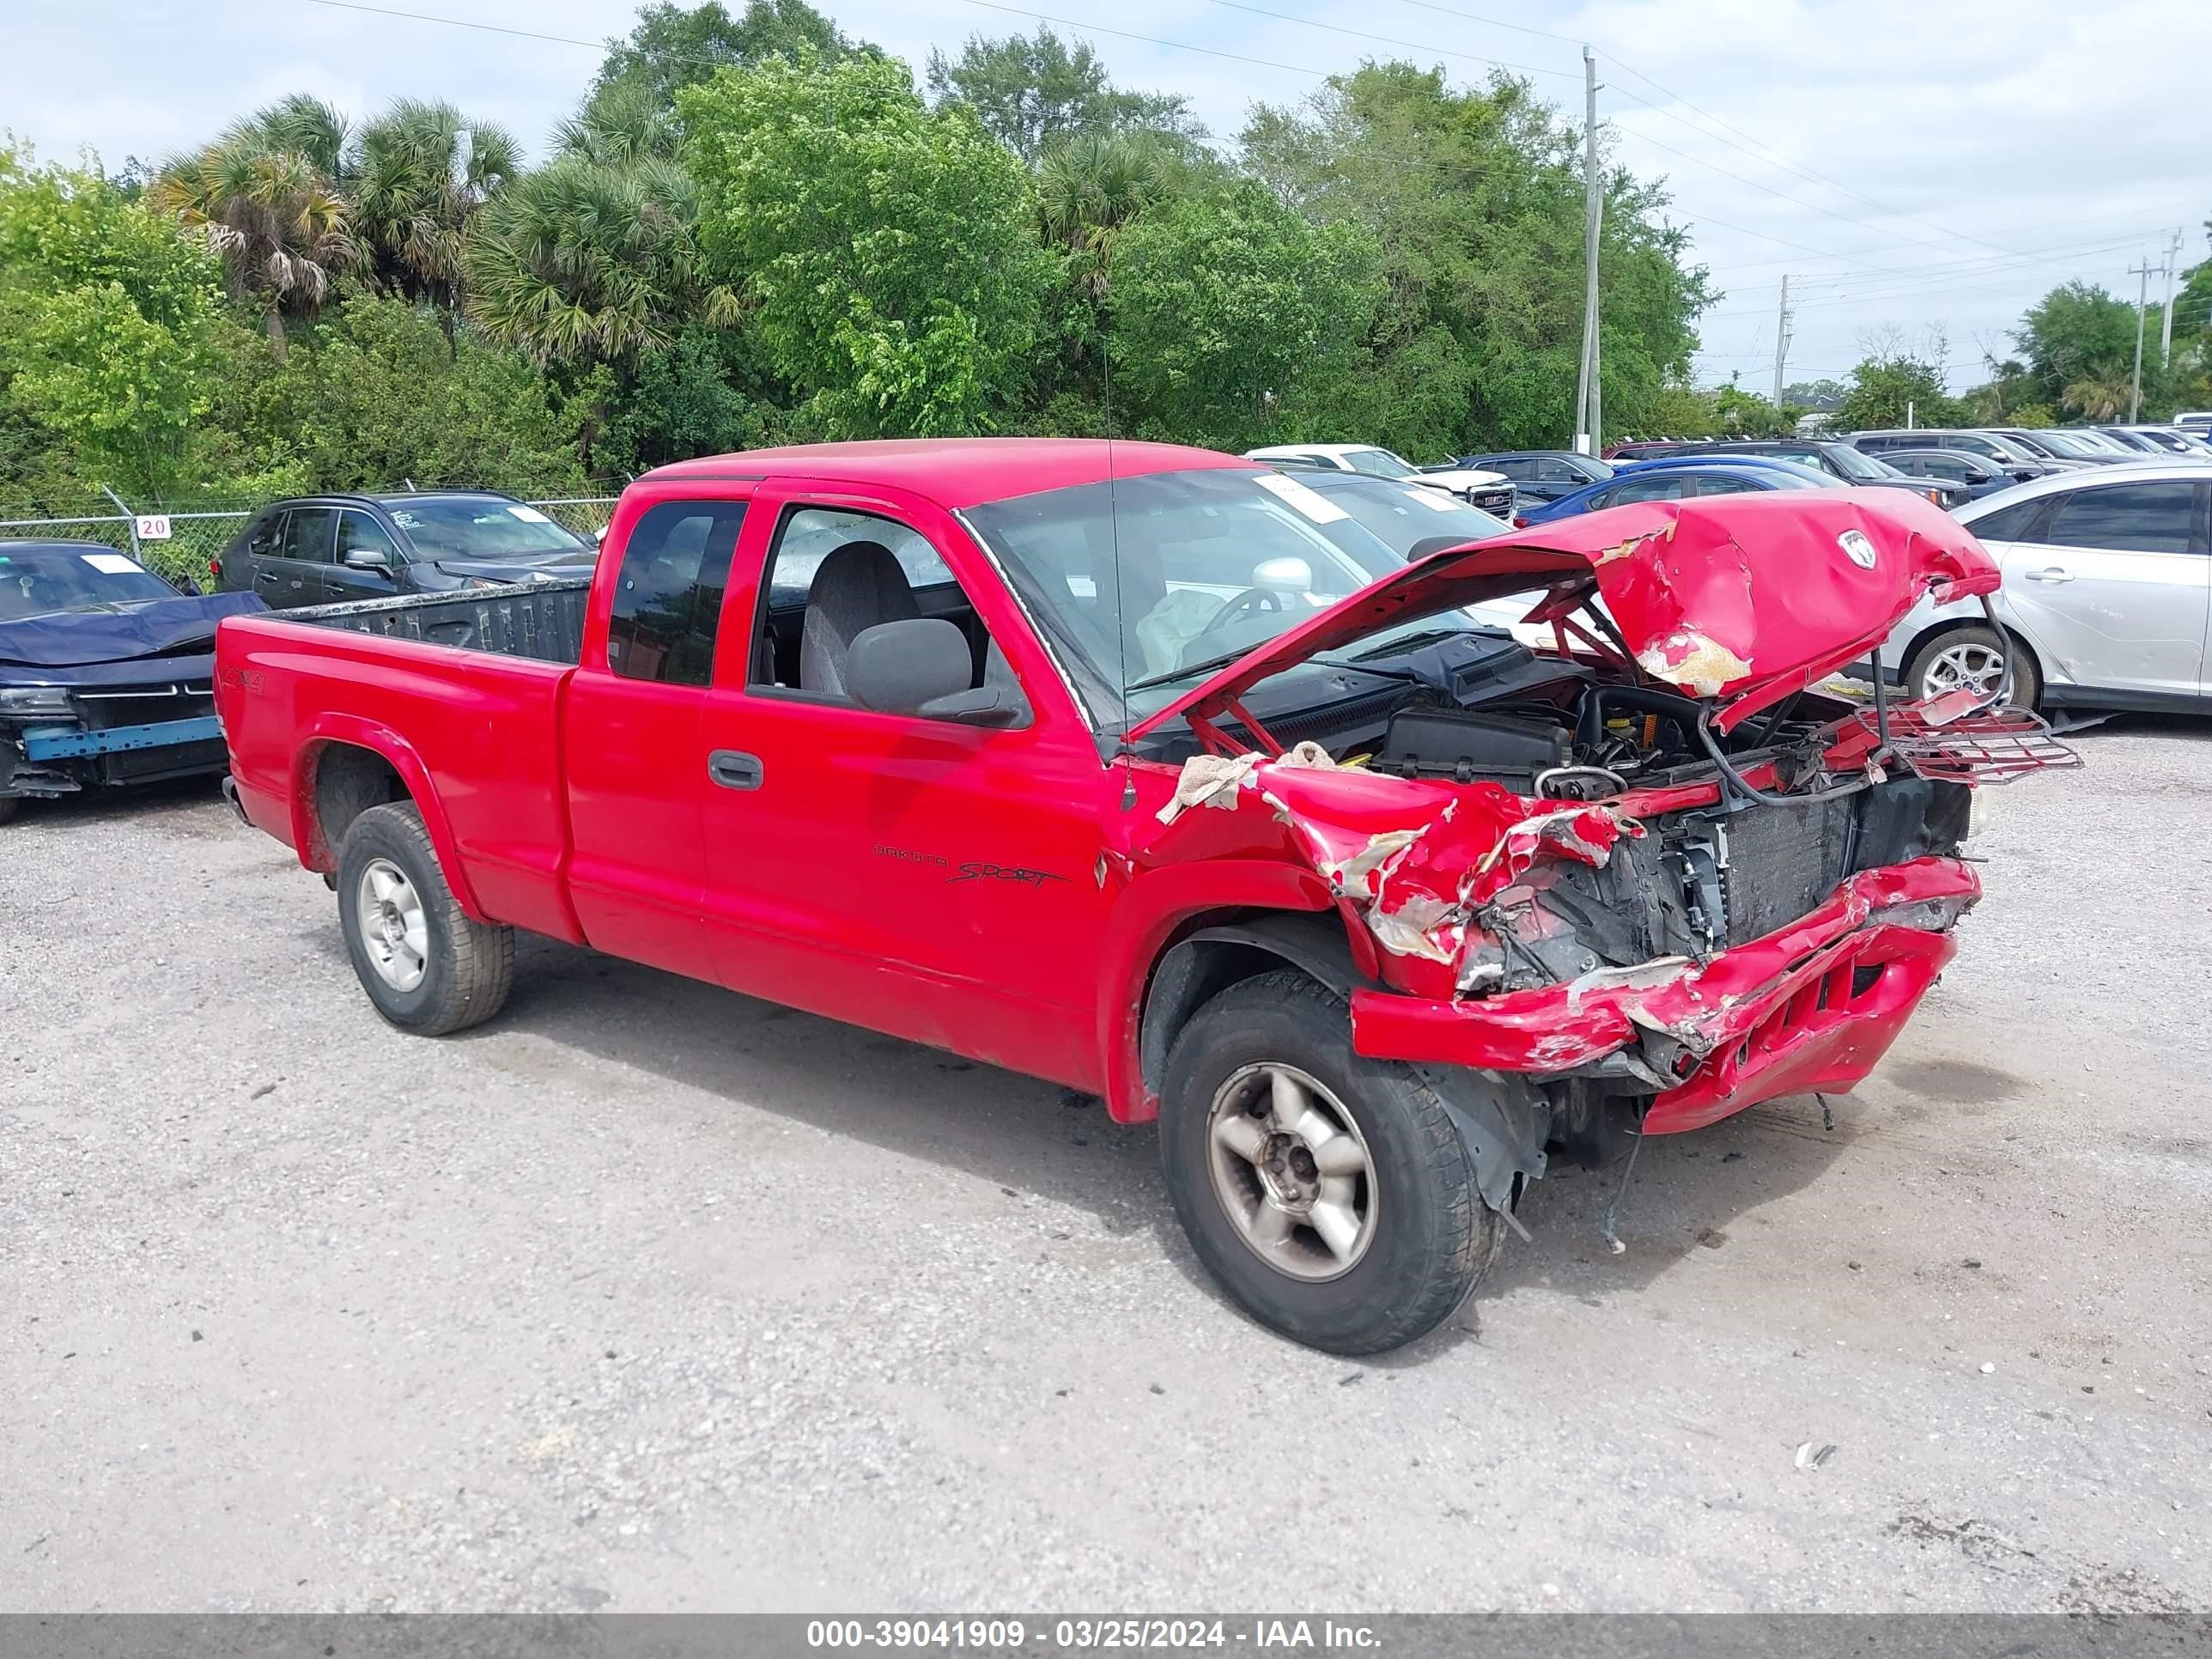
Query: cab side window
[[307, 534], [668, 595], [360, 534], [2139, 518], [1645, 489], [832, 575], [266, 539]]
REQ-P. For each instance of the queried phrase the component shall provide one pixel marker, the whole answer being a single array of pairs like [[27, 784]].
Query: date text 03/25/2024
[[954, 1635]]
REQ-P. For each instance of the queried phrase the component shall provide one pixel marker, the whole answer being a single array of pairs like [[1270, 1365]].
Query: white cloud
[[1976, 157]]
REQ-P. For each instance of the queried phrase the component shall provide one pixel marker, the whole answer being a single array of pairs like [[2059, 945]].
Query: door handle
[[733, 769], [2051, 573]]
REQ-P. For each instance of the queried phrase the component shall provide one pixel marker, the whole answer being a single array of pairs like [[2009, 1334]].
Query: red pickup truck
[[1121, 766]]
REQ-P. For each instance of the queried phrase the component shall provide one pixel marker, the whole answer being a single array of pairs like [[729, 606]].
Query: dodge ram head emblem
[[1857, 548]]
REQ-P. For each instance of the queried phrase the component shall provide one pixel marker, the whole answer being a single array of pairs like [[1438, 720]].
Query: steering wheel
[[1251, 599]]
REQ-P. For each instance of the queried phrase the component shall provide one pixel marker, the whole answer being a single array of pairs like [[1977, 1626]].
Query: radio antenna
[[1120, 595]]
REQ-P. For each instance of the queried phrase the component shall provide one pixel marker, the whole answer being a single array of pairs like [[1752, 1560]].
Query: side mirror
[[922, 666], [1973, 478], [368, 558], [1284, 575]]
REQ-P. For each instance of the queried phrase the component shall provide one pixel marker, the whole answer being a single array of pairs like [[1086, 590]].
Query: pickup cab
[[1104, 763]]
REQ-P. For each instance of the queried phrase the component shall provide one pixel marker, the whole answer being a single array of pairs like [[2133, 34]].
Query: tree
[[1897, 391], [1232, 315], [1746, 415], [418, 175], [265, 199], [1476, 199], [2077, 335], [595, 256], [107, 323], [674, 46], [1088, 190], [2100, 396], [892, 267], [1032, 93], [1822, 394], [375, 393]]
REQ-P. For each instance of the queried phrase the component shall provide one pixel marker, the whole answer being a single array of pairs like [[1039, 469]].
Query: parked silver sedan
[[2107, 595]]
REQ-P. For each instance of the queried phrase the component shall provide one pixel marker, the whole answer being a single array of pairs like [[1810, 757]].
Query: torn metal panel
[[1820, 999], [1701, 666]]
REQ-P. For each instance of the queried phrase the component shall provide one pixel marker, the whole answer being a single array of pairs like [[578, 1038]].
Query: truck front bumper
[[1813, 1005]]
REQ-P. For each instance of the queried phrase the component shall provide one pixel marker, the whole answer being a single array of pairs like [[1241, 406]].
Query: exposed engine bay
[[1701, 880]]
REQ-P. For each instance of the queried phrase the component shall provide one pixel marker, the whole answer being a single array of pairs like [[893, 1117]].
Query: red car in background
[[1105, 763]]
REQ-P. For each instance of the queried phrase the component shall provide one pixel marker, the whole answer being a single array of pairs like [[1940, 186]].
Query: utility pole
[[2141, 273], [1589, 403], [1781, 338], [2166, 323]]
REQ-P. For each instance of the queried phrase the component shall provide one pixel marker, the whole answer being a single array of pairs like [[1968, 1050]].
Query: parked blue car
[[1676, 477], [107, 672]]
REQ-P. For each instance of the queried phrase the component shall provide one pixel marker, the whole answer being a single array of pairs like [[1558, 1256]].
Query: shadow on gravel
[[1688, 1193], [1026, 1135], [572, 1010]]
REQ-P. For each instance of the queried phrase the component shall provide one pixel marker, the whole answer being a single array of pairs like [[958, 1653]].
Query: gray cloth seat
[[857, 586]]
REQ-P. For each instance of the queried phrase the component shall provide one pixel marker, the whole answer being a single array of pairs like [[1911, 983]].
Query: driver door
[[938, 881]]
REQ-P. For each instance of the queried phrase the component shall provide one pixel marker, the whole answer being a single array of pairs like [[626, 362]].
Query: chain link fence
[[199, 532]]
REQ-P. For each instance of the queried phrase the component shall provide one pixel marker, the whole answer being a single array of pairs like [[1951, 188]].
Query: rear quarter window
[[668, 594]]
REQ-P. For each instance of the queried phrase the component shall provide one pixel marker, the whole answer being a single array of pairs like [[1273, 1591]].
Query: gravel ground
[[649, 1296]]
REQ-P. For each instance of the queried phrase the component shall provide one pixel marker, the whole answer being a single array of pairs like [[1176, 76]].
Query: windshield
[[2053, 443], [1379, 464], [1209, 564], [37, 581], [1402, 517], [482, 527], [1852, 465]]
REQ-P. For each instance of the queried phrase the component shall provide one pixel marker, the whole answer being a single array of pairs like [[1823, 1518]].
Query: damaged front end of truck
[[1660, 876]]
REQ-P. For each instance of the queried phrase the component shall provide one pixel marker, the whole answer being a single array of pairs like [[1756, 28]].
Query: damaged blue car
[[107, 672]]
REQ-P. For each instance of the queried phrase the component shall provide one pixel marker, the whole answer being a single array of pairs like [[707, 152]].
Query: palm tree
[[596, 255], [418, 175], [578, 260], [1088, 189], [2098, 395], [265, 200]]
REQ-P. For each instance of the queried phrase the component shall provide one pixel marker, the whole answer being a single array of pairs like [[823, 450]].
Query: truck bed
[[461, 694], [541, 621]]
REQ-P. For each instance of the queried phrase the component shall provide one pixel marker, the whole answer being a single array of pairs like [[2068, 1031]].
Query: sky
[[1916, 170]]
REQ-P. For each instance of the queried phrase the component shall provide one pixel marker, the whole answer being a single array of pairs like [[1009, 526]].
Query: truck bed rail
[[542, 621]]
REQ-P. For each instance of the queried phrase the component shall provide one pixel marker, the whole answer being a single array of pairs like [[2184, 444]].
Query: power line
[[1151, 40], [1936, 281], [2008, 230], [1390, 40], [1774, 157], [489, 28]]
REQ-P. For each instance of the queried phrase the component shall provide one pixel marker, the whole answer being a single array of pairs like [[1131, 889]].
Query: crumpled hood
[[69, 638], [1744, 598]]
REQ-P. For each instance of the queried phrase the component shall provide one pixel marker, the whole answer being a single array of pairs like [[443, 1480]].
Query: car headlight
[[34, 700]]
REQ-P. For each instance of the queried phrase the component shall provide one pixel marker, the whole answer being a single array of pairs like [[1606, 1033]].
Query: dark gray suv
[[323, 549]]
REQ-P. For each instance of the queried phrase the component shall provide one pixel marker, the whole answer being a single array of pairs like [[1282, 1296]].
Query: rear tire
[[1331, 1195], [1964, 656], [427, 967]]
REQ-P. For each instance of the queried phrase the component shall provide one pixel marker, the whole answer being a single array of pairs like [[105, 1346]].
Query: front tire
[[1331, 1195], [1971, 656], [10, 805], [427, 967]]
